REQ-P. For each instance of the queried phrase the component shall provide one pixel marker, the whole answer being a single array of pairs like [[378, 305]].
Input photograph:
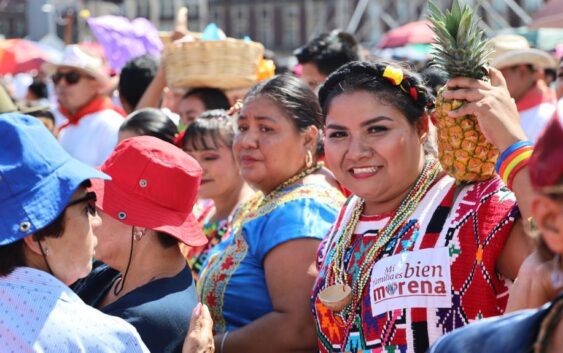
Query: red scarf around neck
[[96, 105], [538, 94]]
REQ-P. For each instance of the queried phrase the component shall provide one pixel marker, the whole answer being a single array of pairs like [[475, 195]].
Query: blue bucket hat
[[37, 177]]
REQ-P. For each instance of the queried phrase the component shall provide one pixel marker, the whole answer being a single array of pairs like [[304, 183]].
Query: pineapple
[[460, 50]]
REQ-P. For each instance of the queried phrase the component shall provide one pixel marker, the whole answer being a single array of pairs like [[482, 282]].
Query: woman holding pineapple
[[415, 253], [423, 247]]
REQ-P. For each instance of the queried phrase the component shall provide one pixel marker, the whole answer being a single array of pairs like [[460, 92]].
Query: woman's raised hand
[[491, 103], [200, 334]]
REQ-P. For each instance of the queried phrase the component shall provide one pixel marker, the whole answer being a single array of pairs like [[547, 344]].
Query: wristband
[[512, 148], [515, 159], [515, 171]]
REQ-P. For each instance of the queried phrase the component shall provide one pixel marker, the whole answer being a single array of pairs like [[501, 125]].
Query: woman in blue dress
[[257, 282]]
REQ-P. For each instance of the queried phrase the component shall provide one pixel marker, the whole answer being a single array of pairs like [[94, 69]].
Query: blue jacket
[[511, 333]]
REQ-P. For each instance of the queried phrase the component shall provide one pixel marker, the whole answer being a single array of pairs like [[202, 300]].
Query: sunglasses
[[71, 77], [90, 198]]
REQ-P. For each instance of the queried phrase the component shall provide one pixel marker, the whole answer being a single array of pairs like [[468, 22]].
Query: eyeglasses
[[90, 198], [71, 77]]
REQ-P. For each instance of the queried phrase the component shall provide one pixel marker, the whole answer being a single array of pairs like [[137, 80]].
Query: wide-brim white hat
[[512, 49], [76, 58]]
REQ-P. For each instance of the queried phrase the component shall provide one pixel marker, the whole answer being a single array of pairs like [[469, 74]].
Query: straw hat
[[76, 58], [512, 49], [6, 103]]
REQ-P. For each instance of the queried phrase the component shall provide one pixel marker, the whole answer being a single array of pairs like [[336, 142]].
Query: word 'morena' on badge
[[411, 279]]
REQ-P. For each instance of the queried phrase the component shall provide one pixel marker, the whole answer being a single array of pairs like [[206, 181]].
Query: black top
[[159, 310]]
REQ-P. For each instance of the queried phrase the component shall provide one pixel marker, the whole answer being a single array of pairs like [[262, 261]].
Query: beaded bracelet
[[513, 160]]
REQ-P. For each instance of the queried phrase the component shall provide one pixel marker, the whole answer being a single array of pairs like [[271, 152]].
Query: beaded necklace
[[272, 195], [256, 203], [336, 274]]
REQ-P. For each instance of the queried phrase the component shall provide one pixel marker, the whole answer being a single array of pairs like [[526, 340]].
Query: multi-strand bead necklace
[[336, 274]]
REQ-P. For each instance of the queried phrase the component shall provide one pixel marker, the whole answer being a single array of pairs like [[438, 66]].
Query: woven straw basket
[[224, 64]]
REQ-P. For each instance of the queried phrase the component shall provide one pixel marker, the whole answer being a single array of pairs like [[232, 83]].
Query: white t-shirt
[[94, 137], [536, 108], [535, 119]]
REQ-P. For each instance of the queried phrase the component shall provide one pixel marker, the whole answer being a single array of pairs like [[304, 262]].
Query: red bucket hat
[[546, 165], [154, 185]]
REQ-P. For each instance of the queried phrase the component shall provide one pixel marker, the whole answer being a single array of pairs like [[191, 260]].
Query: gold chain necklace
[[271, 195], [339, 296]]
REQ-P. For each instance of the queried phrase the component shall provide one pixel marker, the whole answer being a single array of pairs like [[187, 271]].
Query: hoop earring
[[138, 235], [309, 159]]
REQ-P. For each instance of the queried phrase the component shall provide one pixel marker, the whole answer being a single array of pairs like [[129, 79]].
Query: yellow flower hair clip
[[266, 69], [393, 74]]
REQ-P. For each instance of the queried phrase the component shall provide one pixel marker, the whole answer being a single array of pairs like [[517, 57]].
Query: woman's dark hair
[[410, 96], [12, 255], [212, 98], [135, 78], [435, 78], [39, 89], [166, 240], [42, 113], [294, 97], [211, 129], [151, 122]]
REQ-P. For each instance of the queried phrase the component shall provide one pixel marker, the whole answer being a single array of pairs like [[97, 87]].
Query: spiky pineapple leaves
[[460, 47]]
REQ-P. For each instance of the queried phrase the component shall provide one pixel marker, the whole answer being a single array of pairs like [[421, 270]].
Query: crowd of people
[[312, 215]]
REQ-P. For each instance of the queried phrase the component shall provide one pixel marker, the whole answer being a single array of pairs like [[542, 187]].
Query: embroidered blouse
[[232, 282], [436, 274]]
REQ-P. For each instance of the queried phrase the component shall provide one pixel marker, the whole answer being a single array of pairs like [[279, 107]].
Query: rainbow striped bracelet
[[513, 160]]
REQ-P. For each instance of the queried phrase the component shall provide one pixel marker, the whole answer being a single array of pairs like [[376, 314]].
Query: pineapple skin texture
[[463, 151]]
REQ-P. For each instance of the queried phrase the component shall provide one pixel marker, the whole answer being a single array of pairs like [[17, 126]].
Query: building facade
[[285, 25], [13, 22], [280, 25]]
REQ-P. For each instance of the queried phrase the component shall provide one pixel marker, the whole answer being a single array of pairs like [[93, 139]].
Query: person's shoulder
[[308, 203], [510, 333], [93, 328], [312, 195], [106, 117], [170, 297], [92, 288], [492, 189]]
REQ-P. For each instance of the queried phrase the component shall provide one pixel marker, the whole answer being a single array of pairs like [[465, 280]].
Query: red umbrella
[[417, 32], [20, 55]]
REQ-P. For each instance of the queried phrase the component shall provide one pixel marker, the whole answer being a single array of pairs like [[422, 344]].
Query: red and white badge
[[417, 279]]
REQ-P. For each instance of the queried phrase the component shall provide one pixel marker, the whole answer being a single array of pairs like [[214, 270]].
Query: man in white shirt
[[522, 67], [81, 86]]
